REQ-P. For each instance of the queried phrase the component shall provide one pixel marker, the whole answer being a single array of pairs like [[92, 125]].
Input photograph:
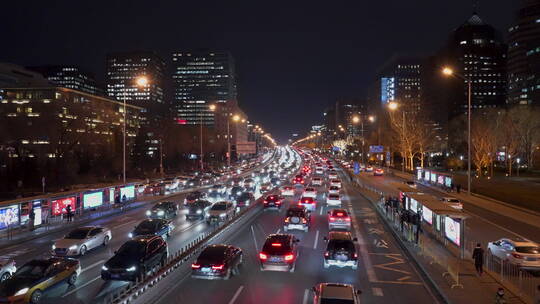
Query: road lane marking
[[124, 224], [79, 287], [254, 239], [279, 229], [316, 240], [306, 296], [92, 266], [377, 291], [236, 294], [320, 213]]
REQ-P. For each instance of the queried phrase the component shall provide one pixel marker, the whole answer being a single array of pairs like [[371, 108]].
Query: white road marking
[[236, 294], [306, 296], [377, 291], [93, 265], [316, 240], [279, 229], [254, 239], [82, 286], [124, 224], [320, 213]]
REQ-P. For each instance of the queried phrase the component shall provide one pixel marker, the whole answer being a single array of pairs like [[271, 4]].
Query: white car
[[411, 184], [287, 191], [310, 192], [333, 200], [7, 268], [319, 170], [453, 202], [336, 183], [369, 169], [333, 190], [316, 181], [332, 175], [523, 253], [82, 239]]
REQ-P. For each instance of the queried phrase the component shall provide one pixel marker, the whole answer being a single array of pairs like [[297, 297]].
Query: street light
[[447, 71], [356, 119], [394, 106]]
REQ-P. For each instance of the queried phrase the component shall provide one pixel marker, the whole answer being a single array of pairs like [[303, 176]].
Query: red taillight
[[195, 266], [289, 257], [517, 256], [326, 254], [340, 214], [355, 255], [263, 256], [276, 244], [332, 218], [278, 202], [265, 202], [348, 219], [304, 221], [301, 182], [286, 220], [218, 267]]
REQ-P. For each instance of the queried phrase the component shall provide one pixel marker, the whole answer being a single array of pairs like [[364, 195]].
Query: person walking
[[499, 296], [458, 188], [478, 257], [69, 213], [31, 219]]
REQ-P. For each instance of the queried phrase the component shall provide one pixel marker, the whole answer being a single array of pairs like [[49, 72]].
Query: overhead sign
[[248, 147], [376, 149], [356, 168]]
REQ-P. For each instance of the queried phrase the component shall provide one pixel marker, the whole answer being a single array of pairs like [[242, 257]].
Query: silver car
[[82, 239], [523, 253], [7, 268]]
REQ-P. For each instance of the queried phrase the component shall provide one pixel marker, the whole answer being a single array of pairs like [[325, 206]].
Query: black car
[[340, 250], [245, 199], [275, 181], [279, 253], [193, 182], [163, 210], [217, 262], [236, 191], [198, 209], [273, 201], [297, 217], [159, 227], [135, 258], [194, 196]]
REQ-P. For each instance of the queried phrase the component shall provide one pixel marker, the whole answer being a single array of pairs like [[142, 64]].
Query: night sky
[[293, 57]]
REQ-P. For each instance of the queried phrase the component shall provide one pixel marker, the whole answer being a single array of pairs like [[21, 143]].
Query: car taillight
[[326, 254], [195, 266], [304, 221], [517, 256], [276, 244], [355, 255], [348, 219], [265, 202], [289, 257], [278, 202], [218, 267], [263, 256], [340, 214]]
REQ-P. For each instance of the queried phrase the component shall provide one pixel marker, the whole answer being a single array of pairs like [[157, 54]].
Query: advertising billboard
[[427, 215], [440, 179], [448, 181], [419, 174], [92, 200], [413, 205], [9, 216], [59, 205], [433, 177], [426, 176], [376, 149], [128, 191], [452, 230]]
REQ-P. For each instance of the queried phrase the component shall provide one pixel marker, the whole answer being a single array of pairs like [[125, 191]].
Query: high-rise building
[[70, 77], [524, 55], [201, 78], [124, 70], [13, 76], [401, 81]]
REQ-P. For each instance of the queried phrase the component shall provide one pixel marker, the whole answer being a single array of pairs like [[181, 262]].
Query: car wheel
[[72, 279], [35, 298], [5, 276], [106, 240], [293, 267], [82, 251]]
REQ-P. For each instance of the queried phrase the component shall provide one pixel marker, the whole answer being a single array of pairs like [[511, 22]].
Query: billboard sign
[[427, 215], [356, 168], [92, 200], [128, 191], [376, 149], [59, 205], [9, 216], [452, 230]]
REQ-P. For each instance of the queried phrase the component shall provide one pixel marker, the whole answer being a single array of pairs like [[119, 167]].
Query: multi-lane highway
[[384, 274]]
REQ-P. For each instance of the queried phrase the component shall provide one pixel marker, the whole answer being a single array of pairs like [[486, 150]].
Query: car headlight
[[73, 247], [222, 215], [130, 234], [161, 212], [53, 247], [199, 211], [238, 193], [148, 212], [22, 291], [132, 268], [104, 268]]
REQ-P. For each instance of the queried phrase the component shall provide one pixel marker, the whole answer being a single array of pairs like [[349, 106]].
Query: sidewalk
[[455, 279]]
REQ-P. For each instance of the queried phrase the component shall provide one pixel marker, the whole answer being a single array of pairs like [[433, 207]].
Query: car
[[80, 240], [7, 268], [198, 209], [333, 200], [220, 212], [235, 192], [159, 227], [34, 278], [340, 250], [319, 171], [411, 184], [154, 189], [287, 191], [272, 202], [275, 181], [249, 184], [297, 217], [171, 184], [266, 187], [522, 253], [135, 258], [335, 293], [298, 180], [332, 174], [453, 202], [217, 262], [335, 182], [333, 190], [339, 219], [218, 188], [194, 182], [369, 169], [279, 253], [164, 210], [378, 172], [310, 192], [309, 202], [194, 196], [316, 181], [245, 199]]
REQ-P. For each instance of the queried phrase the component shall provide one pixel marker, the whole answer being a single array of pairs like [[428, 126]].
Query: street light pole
[[228, 141], [469, 89], [201, 140], [404, 138], [363, 156], [124, 142], [161, 156]]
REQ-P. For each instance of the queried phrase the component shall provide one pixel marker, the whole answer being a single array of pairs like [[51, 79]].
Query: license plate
[[275, 259], [205, 269], [530, 259], [115, 276]]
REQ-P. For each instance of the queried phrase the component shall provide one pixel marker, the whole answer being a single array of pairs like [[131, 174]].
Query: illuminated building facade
[[70, 77]]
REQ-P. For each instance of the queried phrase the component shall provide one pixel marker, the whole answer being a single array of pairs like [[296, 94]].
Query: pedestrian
[[537, 295], [478, 257], [69, 213], [124, 199], [499, 296], [31, 219], [452, 186], [458, 188]]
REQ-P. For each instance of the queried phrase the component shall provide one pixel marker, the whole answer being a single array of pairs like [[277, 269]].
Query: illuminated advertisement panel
[[413, 205], [426, 176], [92, 200], [448, 181], [427, 215], [433, 177], [128, 191], [419, 174], [59, 205], [452, 230], [9, 216], [440, 180]]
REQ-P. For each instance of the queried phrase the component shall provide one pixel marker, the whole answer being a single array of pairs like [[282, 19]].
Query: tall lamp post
[[211, 107], [394, 106], [450, 72]]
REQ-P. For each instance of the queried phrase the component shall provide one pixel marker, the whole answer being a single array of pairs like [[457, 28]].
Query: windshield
[[298, 213], [341, 245], [219, 207], [333, 196], [77, 234], [32, 270], [528, 249], [147, 225], [131, 249]]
